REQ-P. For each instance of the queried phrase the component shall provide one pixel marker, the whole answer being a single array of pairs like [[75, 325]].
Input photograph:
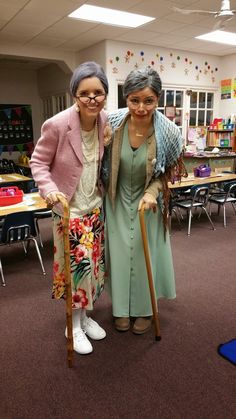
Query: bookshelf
[[221, 138]]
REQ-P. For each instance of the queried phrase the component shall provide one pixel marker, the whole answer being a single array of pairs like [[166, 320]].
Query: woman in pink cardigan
[[67, 161]]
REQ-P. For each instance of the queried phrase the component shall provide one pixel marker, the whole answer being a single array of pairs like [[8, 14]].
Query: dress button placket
[[131, 219]]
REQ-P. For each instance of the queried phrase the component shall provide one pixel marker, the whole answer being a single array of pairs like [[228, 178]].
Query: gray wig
[[85, 70], [141, 78]]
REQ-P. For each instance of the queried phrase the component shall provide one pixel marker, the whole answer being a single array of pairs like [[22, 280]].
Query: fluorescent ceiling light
[[109, 16], [220, 37]]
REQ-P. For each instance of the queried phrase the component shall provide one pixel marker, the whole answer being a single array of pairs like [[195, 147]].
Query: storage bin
[[202, 171], [10, 195]]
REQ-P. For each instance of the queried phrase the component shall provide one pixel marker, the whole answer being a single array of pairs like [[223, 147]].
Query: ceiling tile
[[45, 24]]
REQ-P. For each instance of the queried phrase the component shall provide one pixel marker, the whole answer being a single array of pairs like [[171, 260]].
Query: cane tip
[[70, 363], [158, 337]]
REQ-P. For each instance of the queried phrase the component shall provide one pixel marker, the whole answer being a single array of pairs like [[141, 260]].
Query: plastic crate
[[10, 195], [202, 171]]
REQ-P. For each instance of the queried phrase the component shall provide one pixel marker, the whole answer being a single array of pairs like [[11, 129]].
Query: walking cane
[[149, 274], [66, 217]]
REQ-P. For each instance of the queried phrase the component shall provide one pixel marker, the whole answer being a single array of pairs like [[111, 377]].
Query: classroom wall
[[20, 87], [52, 80], [228, 71], [65, 59], [95, 53], [176, 67]]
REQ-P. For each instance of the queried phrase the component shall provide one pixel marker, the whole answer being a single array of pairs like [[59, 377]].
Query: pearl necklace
[[91, 146]]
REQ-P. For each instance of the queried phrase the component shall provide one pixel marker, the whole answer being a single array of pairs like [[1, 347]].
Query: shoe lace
[[80, 334], [87, 322]]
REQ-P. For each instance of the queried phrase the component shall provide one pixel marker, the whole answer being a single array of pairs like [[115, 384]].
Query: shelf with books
[[224, 138]]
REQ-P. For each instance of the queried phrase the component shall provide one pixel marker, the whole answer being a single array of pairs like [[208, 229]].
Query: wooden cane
[[66, 217], [149, 274]]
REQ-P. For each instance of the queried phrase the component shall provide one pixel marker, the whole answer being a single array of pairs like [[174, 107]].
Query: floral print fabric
[[86, 237]]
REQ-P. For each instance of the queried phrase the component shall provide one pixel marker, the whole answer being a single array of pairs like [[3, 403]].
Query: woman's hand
[[107, 135], [148, 202], [52, 198]]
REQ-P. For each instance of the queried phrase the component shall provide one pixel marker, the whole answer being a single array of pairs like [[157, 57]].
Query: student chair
[[228, 196], [199, 196], [19, 228], [174, 197], [5, 166], [40, 215]]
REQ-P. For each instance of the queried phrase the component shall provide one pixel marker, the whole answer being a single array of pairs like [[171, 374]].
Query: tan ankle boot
[[142, 325], [122, 324]]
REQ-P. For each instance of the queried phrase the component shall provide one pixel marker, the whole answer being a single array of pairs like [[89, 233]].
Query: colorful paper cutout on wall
[[234, 89], [204, 69], [226, 86]]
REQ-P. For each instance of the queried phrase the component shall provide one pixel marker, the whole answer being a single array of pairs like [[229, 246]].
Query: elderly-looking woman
[[67, 161], [143, 154]]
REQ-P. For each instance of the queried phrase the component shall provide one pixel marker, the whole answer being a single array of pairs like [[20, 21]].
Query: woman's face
[[90, 97], [142, 104]]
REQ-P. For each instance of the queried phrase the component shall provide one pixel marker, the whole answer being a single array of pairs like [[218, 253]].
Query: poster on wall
[[16, 128], [234, 88], [196, 139], [226, 86]]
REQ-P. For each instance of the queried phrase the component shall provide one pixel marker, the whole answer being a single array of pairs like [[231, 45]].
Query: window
[[201, 108], [121, 100], [197, 104], [55, 103], [47, 108], [173, 98]]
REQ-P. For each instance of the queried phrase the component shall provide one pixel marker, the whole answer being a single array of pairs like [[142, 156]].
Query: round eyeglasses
[[87, 99]]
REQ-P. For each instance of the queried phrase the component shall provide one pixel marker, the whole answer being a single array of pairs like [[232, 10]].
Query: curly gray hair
[[141, 78]]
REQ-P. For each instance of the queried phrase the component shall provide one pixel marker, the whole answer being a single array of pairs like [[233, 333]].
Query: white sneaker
[[92, 329], [81, 343]]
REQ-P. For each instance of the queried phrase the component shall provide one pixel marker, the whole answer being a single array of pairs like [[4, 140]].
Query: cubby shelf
[[223, 138]]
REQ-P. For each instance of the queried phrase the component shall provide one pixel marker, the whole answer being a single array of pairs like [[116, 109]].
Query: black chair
[[228, 196], [199, 199], [174, 197], [19, 228], [5, 166], [14, 167], [40, 215]]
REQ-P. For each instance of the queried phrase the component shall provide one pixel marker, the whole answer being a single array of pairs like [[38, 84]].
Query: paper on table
[[29, 202]]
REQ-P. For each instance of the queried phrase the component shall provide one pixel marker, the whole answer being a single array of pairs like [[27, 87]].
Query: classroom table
[[191, 180], [31, 202], [13, 178]]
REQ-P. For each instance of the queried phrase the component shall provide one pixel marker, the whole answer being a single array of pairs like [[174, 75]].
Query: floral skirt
[[86, 237]]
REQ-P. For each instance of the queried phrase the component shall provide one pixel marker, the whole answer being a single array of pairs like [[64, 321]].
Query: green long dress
[[127, 276]]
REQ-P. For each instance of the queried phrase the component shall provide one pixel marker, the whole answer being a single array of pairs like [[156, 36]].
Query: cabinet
[[217, 163], [221, 138]]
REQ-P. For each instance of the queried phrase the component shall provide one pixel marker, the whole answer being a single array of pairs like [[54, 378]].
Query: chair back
[[12, 166], [18, 227], [230, 188], [5, 167], [200, 194]]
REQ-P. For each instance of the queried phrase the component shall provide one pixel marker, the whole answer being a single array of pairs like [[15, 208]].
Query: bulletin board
[[16, 128], [197, 137]]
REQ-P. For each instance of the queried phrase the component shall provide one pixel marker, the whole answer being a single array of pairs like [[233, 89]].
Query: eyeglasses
[[147, 103], [87, 99]]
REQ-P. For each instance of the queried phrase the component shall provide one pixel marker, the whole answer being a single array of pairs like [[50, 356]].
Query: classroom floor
[[127, 376]]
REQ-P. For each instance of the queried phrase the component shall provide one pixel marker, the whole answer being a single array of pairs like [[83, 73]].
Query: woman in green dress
[[144, 153]]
